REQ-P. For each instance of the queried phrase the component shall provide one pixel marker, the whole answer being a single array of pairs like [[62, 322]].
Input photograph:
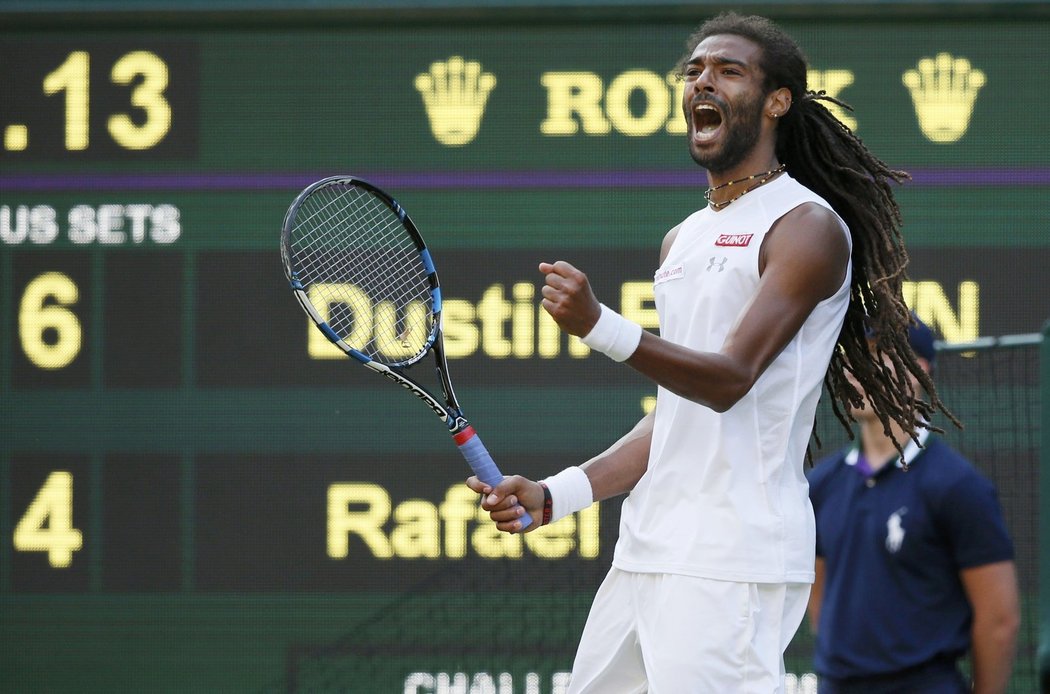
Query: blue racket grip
[[481, 463]]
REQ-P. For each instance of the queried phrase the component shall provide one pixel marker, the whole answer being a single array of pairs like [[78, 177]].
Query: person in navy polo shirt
[[914, 565]]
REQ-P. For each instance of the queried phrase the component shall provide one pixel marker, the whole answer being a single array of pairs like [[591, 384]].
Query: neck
[[878, 448], [722, 193], [759, 159]]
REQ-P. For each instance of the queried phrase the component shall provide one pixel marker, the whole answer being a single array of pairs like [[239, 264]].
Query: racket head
[[361, 271]]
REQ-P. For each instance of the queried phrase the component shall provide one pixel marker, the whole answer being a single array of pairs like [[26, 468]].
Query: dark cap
[[920, 337], [922, 340]]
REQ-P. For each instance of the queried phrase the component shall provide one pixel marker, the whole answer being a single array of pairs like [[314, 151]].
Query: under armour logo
[[715, 262], [895, 530]]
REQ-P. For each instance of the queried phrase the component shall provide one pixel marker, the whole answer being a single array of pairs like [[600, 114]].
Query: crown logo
[[455, 92], [944, 90], [832, 82]]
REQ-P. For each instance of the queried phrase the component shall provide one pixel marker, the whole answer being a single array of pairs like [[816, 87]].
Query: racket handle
[[481, 463]]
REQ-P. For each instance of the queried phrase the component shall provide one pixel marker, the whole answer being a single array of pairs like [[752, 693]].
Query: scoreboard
[[187, 465]]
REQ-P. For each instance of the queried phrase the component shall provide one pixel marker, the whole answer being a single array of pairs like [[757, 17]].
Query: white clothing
[[674, 634], [725, 496]]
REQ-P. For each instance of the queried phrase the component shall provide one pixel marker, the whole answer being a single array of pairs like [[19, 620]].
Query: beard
[[742, 133]]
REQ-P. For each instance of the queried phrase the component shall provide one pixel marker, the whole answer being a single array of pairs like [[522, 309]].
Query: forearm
[[711, 379], [993, 655], [816, 596], [992, 591], [616, 470]]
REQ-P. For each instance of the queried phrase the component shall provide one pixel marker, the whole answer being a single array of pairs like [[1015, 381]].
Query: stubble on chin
[[741, 136]]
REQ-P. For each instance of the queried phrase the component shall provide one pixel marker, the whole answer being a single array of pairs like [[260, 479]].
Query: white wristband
[[613, 335], [570, 492]]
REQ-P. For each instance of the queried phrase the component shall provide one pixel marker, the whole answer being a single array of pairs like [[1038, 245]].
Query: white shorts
[[672, 634]]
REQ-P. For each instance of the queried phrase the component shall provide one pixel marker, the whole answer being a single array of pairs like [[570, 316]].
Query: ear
[[778, 103]]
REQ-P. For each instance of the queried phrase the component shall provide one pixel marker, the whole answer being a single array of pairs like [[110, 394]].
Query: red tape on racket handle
[[481, 463]]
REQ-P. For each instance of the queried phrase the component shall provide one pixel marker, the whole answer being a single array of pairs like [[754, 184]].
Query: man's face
[[723, 101]]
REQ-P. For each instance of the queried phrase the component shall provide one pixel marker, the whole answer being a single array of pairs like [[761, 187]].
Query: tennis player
[[914, 569], [757, 294]]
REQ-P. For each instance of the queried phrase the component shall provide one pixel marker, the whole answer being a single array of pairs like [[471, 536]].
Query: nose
[[703, 81]]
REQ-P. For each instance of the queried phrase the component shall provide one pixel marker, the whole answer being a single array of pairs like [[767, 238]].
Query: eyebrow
[[718, 60]]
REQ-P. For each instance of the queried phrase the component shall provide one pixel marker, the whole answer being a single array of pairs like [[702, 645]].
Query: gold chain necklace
[[765, 176]]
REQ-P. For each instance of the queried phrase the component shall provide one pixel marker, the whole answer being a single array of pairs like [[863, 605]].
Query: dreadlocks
[[824, 155]]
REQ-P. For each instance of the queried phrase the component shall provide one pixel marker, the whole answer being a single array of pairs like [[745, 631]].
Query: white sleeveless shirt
[[725, 495]]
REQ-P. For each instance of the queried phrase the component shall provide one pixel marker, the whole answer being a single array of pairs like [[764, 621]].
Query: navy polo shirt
[[893, 546]]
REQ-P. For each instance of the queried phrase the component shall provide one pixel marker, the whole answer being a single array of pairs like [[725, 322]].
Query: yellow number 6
[[34, 318]]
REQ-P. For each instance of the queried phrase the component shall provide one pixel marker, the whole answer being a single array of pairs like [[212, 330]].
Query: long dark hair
[[823, 154]]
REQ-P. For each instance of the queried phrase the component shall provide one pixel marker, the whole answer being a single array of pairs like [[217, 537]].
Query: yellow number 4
[[47, 525]]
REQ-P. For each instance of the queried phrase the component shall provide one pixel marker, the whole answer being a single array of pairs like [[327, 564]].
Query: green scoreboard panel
[[198, 494]]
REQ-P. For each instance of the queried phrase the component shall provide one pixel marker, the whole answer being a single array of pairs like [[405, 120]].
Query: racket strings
[[363, 242], [323, 238], [363, 273]]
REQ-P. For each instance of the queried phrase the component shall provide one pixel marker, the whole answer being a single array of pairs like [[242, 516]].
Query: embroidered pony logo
[[895, 530]]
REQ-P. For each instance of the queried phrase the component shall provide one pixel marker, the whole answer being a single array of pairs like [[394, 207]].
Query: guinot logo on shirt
[[734, 240]]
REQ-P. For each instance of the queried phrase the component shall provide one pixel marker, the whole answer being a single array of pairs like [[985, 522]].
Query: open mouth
[[707, 120]]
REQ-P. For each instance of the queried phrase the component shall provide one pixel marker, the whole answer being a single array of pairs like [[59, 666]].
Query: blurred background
[[198, 494]]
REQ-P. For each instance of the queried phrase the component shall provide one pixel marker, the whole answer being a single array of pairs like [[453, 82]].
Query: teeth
[[709, 126]]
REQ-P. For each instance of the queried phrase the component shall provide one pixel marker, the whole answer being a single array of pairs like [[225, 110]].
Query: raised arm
[[802, 262]]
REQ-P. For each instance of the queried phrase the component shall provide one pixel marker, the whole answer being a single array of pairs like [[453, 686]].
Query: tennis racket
[[361, 271]]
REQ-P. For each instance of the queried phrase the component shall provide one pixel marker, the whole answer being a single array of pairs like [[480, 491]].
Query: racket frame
[[463, 434], [449, 411]]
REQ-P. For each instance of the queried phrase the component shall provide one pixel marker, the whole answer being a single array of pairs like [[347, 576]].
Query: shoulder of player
[[809, 221], [809, 231], [810, 245]]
